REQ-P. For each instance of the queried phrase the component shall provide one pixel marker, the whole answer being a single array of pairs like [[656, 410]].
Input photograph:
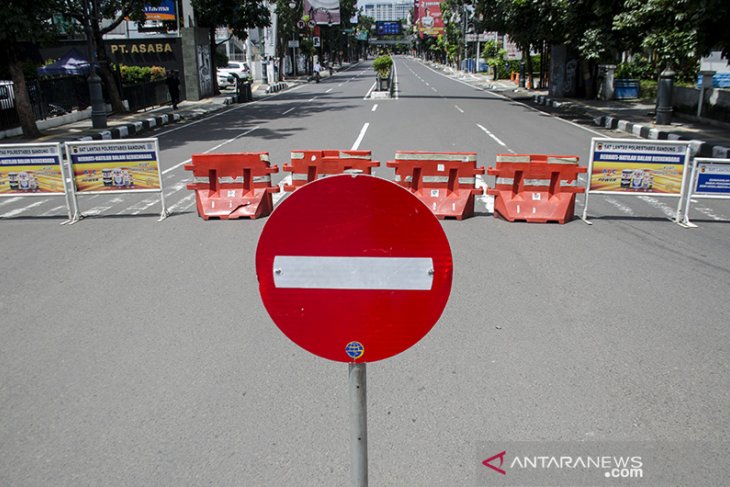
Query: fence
[[146, 95]]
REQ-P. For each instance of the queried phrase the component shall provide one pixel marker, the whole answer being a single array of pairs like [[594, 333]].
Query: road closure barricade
[[309, 165], [537, 188], [230, 186], [444, 181]]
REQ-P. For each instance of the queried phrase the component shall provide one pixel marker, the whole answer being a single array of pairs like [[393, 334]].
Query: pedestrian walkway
[[709, 138], [134, 124]]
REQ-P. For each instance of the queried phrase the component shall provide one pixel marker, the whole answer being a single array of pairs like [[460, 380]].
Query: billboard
[[325, 12], [428, 18], [164, 11], [31, 169], [387, 27], [114, 166], [633, 166]]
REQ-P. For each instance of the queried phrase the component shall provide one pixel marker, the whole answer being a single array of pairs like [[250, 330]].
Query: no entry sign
[[354, 268]]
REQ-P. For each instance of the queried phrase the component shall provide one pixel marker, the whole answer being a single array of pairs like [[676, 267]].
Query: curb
[[276, 87], [697, 147], [133, 128]]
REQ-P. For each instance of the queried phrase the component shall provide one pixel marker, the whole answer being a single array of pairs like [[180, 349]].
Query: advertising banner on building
[[326, 12], [31, 169], [114, 166], [428, 18], [635, 166]]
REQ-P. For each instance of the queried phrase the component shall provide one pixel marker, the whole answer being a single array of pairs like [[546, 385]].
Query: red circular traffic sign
[[354, 268]]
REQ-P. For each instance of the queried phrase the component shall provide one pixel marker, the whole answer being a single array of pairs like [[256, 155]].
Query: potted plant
[[627, 78], [382, 66]]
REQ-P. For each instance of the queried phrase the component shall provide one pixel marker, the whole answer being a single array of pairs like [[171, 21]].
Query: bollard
[[664, 97], [706, 85]]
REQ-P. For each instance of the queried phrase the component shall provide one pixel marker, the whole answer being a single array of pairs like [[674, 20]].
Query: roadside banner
[[114, 166], [637, 167], [710, 179], [32, 170]]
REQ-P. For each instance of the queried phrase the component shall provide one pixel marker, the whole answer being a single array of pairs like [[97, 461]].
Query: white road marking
[[367, 95], [97, 210], [184, 203], [9, 200], [514, 101], [328, 90], [54, 210], [621, 207], [496, 139], [434, 89], [140, 208], [670, 212], [170, 169], [360, 137], [375, 107], [292, 108], [18, 211], [458, 108], [708, 212]]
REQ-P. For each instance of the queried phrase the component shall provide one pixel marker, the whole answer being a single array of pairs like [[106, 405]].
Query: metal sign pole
[[358, 423]]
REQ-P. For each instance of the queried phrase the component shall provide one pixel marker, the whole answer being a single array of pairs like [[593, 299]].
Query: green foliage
[[132, 75], [648, 88], [382, 65], [495, 56], [638, 68], [237, 15]]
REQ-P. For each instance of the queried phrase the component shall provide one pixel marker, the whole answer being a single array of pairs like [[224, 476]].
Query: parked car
[[234, 69]]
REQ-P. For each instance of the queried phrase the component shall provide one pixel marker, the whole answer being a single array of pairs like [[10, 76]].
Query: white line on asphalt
[[9, 200], [141, 207], [496, 139], [621, 207], [670, 212], [97, 210], [360, 137], [18, 211], [184, 203], [312, 99], [395, 80], [54, 210], [708, 212], [328, 90], [458, 108], [375, 107], [498, 95], [367, 95], [340, 85], [170, 169], [434, 89], [292, 108]]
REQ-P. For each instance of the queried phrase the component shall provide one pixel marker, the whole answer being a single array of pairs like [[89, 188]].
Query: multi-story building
[[387, 9]]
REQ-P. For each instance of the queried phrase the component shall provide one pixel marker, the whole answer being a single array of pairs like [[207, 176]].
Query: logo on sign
[[488, 462], [354, 350]]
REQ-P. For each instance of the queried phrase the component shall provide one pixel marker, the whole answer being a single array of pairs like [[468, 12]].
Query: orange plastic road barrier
[[535, 187], [229, 186], [308, 165], [444, 181]]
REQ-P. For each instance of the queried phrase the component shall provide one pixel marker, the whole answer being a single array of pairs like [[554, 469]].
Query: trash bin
[[243, 90]]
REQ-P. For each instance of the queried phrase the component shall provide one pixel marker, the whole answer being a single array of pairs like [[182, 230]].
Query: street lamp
[[98, 108]]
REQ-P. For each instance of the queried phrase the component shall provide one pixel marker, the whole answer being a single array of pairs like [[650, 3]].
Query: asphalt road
[[134, 352]]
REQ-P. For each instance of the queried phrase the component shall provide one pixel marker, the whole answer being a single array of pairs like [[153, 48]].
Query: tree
[[22, 24], [677, 32], [237, 15], [90, 14]]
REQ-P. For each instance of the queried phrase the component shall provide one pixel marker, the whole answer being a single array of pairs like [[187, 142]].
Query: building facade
[[387, 9]]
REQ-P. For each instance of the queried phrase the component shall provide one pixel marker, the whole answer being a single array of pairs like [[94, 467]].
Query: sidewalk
[[709, 138], [130, 125]]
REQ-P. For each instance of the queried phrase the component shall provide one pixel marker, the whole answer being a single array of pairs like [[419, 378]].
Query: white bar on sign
[[383, 273]]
